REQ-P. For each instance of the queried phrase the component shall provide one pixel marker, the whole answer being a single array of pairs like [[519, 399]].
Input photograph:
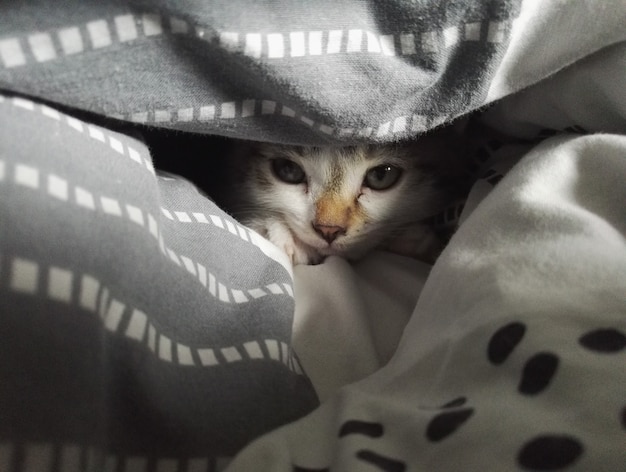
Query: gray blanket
[[315, 72], [143, 329]]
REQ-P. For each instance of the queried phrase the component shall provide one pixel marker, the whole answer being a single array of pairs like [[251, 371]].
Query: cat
[[314, 202]]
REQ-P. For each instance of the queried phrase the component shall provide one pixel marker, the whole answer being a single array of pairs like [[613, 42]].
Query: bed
[[144, 329]]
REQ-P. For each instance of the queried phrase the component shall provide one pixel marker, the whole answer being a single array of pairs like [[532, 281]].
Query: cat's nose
[[329, 233]]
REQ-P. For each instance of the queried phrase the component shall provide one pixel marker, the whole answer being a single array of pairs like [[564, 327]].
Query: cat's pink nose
[[329, 233]]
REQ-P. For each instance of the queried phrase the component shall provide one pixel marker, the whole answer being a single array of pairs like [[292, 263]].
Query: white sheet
[[349, 317], [542, 258]]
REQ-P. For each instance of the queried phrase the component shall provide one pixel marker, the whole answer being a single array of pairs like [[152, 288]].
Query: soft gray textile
[[137, 317], [292, 71]]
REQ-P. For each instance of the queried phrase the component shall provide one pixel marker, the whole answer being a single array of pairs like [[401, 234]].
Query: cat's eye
[[382, 177], [288, 171]]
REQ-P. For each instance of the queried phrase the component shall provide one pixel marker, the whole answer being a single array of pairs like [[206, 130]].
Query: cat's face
[[342, 201]]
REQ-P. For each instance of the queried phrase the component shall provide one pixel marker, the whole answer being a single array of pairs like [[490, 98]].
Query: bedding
[[144, 329]]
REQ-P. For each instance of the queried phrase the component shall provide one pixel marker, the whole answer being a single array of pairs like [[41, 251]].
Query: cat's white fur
[[334, 194]]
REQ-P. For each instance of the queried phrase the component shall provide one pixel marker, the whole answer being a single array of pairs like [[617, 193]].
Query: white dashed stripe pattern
[[43, 46], [94, 132], [55, 186], [401, 125], [85, 291], [50, 457], [237, 230]]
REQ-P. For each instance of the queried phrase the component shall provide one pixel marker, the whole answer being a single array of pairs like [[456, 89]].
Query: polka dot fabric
[[515, 356]]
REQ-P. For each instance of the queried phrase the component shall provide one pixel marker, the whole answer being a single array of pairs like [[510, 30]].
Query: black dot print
[[455, 403], [538, 372], [372, 430], [504, 341], [383, 463], [550, 452], [444, 424], [604, 341]]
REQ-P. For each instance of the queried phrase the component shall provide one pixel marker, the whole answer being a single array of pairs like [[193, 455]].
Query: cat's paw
[[301, 255], [298, 252], [417, 241]]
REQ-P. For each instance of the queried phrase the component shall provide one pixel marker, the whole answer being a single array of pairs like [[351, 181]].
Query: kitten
[[314, 202]]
